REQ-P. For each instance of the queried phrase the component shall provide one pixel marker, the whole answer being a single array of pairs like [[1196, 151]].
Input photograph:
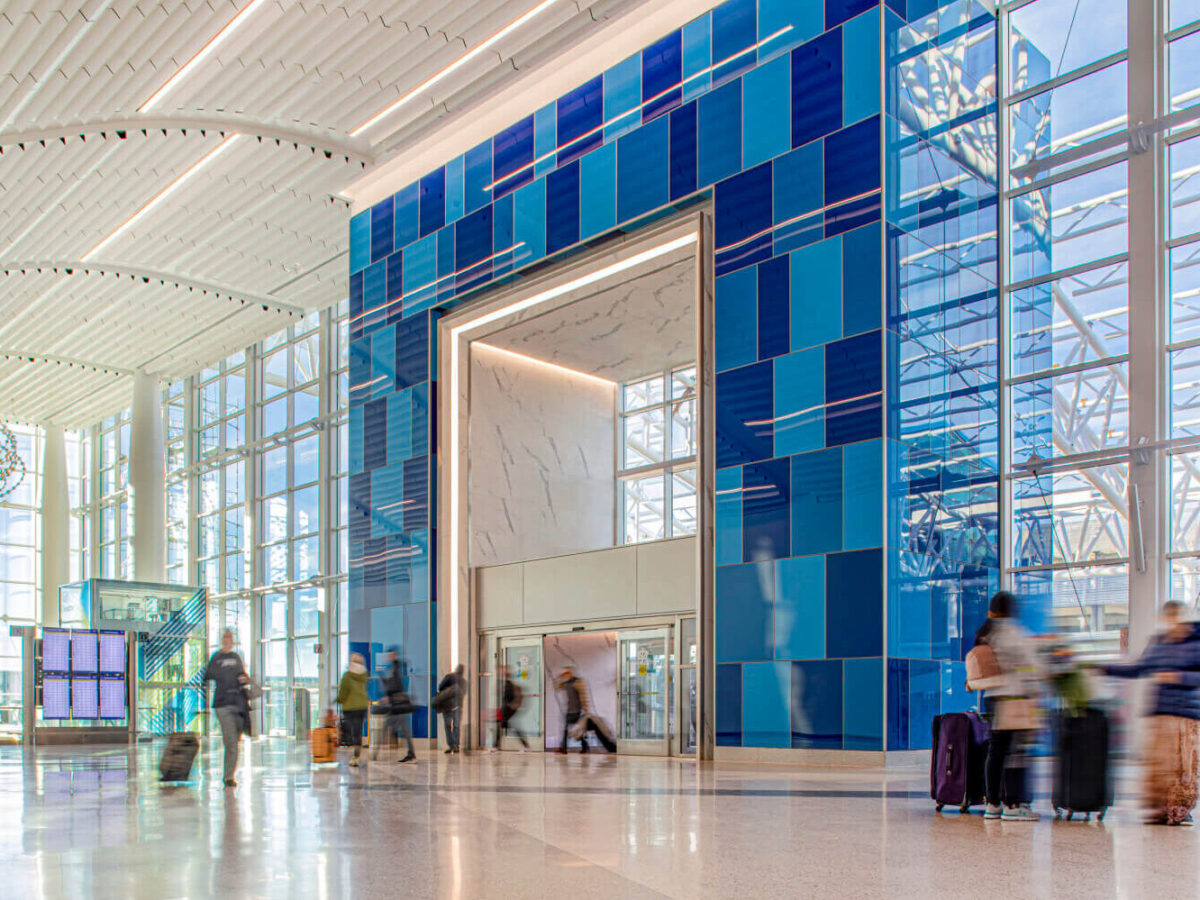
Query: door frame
[[648, 746], [494, 308]]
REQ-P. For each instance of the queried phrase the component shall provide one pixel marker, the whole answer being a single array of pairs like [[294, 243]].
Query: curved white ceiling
[[109, 262]]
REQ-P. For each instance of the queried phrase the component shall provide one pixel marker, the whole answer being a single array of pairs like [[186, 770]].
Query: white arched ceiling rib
[[265, 220]]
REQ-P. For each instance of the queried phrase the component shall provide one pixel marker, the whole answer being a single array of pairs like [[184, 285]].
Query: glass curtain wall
[[1087, 321], [256, 467]]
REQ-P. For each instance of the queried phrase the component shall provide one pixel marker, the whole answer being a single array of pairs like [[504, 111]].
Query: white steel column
[[1149, 506], [56, 536], [147, 480]]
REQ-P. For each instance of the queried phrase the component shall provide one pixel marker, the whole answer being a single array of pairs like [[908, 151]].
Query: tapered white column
[[56, 512], [147, 480]]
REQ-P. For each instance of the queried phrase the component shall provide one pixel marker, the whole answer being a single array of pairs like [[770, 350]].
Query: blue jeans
[[450, 720]]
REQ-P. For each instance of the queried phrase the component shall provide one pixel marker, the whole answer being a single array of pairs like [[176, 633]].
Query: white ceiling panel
[[221, 251]]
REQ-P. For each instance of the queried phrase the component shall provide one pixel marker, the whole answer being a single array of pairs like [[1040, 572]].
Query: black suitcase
[[178, 756], [1081, 776]]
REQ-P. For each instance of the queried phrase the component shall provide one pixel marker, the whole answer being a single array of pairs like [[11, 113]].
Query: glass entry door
[[521, 660], [643, 663]]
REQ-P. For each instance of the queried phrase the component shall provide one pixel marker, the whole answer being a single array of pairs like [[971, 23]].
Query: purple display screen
[[112, 652], [112, 698], [56, 697], [85, 698], [85, 652], [56, 650]]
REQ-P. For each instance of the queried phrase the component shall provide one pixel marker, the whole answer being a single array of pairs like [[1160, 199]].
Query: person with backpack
[[1172, 659], [511, 699], [400, 707], [449, 702], [230, 701], [1010, 681], [352, 697]]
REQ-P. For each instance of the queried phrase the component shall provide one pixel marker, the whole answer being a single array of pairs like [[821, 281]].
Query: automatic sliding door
[[644, 666]]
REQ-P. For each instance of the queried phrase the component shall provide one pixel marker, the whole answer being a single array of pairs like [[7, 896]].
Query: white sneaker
[[992, 812], [1020, 814], [354, 762]]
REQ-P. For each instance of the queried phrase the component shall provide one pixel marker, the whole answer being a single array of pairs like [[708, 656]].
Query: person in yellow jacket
[[352, 697]]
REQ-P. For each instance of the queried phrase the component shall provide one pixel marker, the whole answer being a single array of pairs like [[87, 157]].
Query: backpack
[[983, 672]]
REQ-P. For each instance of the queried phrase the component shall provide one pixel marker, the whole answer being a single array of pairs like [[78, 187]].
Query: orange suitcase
[[324, 745]]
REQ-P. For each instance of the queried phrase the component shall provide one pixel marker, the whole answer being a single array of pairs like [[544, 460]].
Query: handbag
[[401, 704], [1016, 714], [253, 689]]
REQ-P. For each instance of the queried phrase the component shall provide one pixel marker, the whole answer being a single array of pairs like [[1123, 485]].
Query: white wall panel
[[666, 576]]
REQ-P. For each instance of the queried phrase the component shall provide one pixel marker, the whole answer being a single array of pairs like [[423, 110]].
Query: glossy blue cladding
[[775, 112]]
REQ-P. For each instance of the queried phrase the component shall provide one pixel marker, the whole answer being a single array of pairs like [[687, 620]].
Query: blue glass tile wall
[[942, 370], [774, 110]]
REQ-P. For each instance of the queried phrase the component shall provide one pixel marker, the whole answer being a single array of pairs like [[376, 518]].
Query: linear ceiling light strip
[[453, 67], [533, 360], [202, 54], [162, 195]]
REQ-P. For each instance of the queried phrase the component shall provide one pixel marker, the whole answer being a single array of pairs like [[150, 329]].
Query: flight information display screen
[[85, 652], [56, 697], [85, 698], [56, 650], [112, 698], [112, 652]]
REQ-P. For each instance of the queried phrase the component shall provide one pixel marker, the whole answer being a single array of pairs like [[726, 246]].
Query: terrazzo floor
[[96, 823]]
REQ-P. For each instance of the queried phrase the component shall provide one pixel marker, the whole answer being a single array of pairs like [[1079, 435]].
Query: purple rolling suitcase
[[959, 751]]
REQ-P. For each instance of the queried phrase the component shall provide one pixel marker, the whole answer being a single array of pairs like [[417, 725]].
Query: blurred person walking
[[449, 702], [1011, 697], [352, 697], [1172, 766], [511, 699], [579, 718], [400, 707], [230, 702]]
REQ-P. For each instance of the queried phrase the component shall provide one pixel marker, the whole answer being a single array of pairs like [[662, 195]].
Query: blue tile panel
[[773, 110]]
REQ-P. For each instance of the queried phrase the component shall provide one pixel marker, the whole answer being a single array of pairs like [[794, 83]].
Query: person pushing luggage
[[1011, 696], [230, 701]]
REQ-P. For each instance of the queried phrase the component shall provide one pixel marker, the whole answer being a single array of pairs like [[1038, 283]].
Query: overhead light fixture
[[202, 54], [453, 67], [545, 363], [457, 335], [162, 195]]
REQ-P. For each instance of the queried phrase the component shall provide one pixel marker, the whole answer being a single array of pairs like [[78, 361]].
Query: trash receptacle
[[302, 712]]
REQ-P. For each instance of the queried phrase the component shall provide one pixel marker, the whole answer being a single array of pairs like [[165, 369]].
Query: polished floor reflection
[[95, 823]]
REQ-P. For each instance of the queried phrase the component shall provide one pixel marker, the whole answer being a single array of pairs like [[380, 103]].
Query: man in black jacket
[[228, 672], [400, 704], [454, 686]]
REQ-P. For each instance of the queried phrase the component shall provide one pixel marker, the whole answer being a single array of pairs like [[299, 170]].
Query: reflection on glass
[[1069, 115], [1052, 37], [1088, 605], [1071, 517], [1184, 68], [1071, 223], [1185, 392], [1185, 292], [1070, 320], [1068, 414]]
